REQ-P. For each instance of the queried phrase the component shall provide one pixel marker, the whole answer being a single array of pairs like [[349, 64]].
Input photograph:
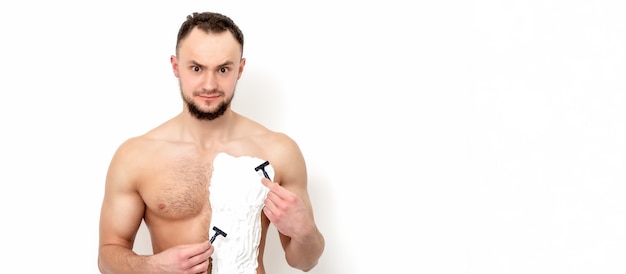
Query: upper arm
[[291, 174], [122, 207], [291, 169]]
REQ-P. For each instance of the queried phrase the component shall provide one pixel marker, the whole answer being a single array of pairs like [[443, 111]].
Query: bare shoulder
[[274, 143], [145, 145], [288, 160], [127, 158], [138, 154], [282, 151], [133, 148]]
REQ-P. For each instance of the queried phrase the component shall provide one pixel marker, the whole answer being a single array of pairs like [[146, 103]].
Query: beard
[[195, 111]]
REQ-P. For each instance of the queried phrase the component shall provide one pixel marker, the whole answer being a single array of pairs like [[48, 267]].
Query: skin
[[162, 176]]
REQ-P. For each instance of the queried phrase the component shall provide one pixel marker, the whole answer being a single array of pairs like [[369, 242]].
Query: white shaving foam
[[237, 196]]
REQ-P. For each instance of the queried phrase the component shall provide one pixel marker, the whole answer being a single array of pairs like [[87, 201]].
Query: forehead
[[209, 47]]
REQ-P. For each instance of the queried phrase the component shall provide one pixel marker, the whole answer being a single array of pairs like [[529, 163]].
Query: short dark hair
[[210, 22]]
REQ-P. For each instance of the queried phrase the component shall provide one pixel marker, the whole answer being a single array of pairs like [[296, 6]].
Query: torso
[[174, 188], [173, 181]]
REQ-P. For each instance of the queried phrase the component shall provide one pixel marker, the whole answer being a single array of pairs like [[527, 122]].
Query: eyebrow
[[227, 63]]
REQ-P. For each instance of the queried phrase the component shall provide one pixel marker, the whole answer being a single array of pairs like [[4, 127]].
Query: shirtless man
[[164, 176]]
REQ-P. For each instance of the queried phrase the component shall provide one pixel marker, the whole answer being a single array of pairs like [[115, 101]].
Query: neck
[[207, 132]]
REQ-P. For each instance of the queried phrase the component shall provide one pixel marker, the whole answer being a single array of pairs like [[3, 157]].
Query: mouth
[[209, 96]]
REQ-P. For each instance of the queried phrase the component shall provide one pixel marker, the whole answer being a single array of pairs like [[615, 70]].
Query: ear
[[242, 64], [174, 62]]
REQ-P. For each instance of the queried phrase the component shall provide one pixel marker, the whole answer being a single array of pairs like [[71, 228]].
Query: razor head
[[262, 166], [217, 233]]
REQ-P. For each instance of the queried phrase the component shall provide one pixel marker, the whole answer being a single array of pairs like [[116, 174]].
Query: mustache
[[208, 92]]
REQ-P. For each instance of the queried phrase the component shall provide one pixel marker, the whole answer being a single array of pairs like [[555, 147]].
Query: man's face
[[208, 67]]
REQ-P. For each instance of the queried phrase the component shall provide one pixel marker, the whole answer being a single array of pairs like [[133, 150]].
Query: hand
[[188, 259], [286, 210]]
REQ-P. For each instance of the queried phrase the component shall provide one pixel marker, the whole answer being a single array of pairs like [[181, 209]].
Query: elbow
[[304, 263], [303, 266], [305, 259], [309, 267], [100, 268]]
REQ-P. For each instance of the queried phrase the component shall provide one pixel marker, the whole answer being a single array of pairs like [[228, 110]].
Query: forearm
[[114, 259], [303, 252]]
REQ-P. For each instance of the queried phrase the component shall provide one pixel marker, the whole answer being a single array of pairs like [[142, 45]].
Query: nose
[[209, 81]]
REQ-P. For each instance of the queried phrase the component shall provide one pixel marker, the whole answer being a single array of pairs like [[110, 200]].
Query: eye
[[223, 70], [196, 68]]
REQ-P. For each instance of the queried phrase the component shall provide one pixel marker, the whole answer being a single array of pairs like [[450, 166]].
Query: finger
[[200, 263], [267, 182], [201, 257], [271, 201], [200, 268], [196, 249], [275, 187], [268, 202], [269, 214], [273, 198]]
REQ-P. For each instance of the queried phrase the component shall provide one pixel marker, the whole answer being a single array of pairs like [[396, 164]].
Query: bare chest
[[174, 182], [177, 189]]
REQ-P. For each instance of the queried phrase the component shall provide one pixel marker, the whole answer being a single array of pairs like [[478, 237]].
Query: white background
[[441, 136]]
